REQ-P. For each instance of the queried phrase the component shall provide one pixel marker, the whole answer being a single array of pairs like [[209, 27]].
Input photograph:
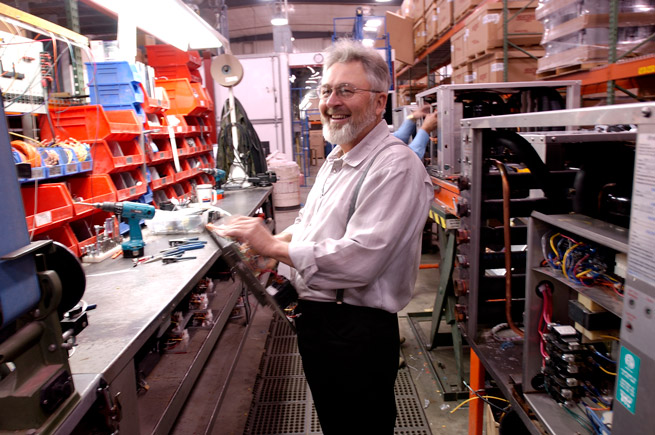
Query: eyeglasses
[[343, 91]]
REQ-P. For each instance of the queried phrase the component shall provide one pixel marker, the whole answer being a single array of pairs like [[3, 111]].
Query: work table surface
[[135, 302]]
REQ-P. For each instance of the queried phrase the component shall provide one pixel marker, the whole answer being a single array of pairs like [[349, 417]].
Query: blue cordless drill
[[133, 212]]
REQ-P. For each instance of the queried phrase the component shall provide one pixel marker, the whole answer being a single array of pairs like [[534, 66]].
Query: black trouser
[[350, 358]]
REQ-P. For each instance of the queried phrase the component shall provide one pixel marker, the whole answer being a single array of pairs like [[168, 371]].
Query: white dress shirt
[[375, 256]]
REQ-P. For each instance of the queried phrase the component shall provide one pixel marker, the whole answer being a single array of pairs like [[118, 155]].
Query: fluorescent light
[[370, 29], [171, 21], [373, 23], [279, 21], [368, 42]]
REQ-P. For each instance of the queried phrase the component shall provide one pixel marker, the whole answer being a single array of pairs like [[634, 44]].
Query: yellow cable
[[606, 371], [552, 245], [566, 254], [25, 137], [611, 337], [583, 273], [477, 397]]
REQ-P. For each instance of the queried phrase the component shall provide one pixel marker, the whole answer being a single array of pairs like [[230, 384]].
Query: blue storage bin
[[111, 73], [124, 93], [137, 107]]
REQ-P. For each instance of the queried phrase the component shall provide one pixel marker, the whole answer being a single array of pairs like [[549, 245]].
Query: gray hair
[[348, 50]]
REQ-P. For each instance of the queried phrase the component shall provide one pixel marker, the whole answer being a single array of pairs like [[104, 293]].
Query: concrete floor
[[233, 414]]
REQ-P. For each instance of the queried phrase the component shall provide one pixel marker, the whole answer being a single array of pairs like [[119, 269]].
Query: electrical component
[[21, 78]]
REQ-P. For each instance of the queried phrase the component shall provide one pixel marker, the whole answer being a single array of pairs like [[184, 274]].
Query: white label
[[565, 330], [491, 18], [642, 218], [42, 218], [466, 34], [231, 79], [495, 67], [453, 224], [470, 78]]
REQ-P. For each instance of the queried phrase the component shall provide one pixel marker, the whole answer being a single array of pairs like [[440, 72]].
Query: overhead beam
[[39, 23]]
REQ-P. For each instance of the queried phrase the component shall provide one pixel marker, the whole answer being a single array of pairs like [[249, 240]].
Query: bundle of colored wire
[[81, 149], [50, 157], [28, 150], [546, 315], [578, 261]]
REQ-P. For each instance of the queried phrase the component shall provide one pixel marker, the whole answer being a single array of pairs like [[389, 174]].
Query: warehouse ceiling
[[247, 20]]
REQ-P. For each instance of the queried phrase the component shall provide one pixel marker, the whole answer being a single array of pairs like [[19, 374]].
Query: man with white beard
[[354, 248]]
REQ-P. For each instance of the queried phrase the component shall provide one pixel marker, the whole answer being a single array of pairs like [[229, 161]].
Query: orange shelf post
[[476, 407]]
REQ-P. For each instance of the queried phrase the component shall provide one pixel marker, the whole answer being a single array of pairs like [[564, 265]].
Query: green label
[[626, 391]]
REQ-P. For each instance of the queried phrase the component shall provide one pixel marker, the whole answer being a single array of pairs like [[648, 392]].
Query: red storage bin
[[129, 185], [64, 235], [116, 156], [91, 189], [164, 55], [83, 228], [52, 207], [91, 123], [161, 175], [185, 171], [164, 152]]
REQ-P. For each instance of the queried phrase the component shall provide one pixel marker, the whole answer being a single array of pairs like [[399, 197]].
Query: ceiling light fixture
[[158, 17], [280, 17], [373, 23]]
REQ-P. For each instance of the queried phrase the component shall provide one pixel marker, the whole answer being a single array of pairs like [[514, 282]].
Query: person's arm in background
[[408, 128], [422, 138]]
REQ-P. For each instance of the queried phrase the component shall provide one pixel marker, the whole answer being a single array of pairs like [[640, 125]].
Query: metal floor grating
[[282, 402]]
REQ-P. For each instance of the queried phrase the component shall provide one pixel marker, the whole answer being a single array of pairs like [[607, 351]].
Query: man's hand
[[252, 231], [430, 122], [420, 112]]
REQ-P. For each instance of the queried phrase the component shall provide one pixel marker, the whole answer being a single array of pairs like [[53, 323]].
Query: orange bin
[[116, 156], [91, 189], [91, 123], [64, 235], [83, 228], [129, 185], [184, 99], [165, 175], [164, 152], [52, 207], [164, 55]]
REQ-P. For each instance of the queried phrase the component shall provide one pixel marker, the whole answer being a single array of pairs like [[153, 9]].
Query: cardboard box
[[589, 21], [462, 74], [445, 17], [399, 28], [419, 36], [520, 67], [457, 52], [431, 23], [460, 7], [316, 139], [413, 9], [486, 28]]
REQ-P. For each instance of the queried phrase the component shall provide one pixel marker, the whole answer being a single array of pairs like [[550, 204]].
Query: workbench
[[134, 304]]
